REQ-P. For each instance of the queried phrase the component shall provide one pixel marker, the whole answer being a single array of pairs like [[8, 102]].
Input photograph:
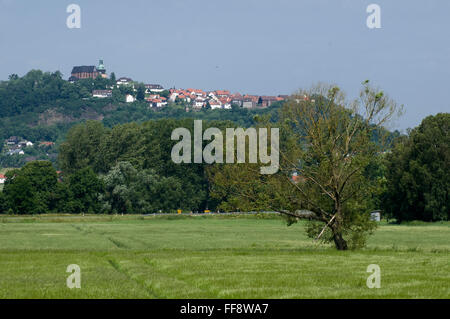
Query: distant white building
[[375, 215], [25, 143], [2, 179], [17, 151], [215, 104], [102, 93], [199, 103], [130, 98], [161, 103], [173, 97], [153, 88], [124, 81]]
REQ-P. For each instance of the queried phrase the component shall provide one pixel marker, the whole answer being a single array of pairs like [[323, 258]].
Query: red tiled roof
[[251, 98], [222, 92], [47, 143]]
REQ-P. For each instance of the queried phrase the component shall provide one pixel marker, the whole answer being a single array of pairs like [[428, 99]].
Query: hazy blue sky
[[250, 46]]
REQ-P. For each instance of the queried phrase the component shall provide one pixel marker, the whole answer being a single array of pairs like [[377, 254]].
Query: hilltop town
[[39, 108], [157, 96]]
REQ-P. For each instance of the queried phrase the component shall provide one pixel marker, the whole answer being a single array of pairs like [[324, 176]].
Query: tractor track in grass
[[84, 230], [117, 243], [87, 230], [114, 264]]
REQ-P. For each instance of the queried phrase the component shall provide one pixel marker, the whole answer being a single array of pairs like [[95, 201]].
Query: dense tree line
[[147, 148], [132, 161], [128, 169], [418, 173], [37, 189]]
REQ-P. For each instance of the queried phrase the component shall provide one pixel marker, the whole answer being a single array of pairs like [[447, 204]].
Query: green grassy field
[[213, 257]]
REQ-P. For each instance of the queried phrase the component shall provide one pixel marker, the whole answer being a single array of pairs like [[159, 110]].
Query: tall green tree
[[140, 94], [4, 207], [418, 173], [128, 190], [29, 190], [20, 195], [83, 147], [112, 78], [86, 188], [41, 174]]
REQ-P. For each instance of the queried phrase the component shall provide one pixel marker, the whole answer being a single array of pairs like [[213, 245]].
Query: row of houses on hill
[[192, 98], [196, 98], [15, 145], [221, 99]]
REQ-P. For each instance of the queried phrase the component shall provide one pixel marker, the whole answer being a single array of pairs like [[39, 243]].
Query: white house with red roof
[[156, 100], [2, 179], [215, 104], [199, 103], [225, 102]]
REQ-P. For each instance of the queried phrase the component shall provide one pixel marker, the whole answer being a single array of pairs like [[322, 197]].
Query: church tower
[[101, 69]]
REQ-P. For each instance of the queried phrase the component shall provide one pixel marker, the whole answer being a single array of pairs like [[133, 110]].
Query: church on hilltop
[[88, 72]]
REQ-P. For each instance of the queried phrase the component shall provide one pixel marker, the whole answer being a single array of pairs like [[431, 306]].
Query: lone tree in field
[[327, 148]]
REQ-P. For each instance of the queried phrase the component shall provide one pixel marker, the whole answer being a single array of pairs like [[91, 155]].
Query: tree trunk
[[339, 241]]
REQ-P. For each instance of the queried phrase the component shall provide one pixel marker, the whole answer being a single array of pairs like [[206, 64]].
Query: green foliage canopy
[[418, 173]]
